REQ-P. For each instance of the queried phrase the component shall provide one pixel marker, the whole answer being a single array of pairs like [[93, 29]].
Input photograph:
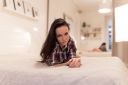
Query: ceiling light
[[82, 37], [105, 6]]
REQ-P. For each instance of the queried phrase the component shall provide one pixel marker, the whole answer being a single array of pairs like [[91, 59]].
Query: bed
[[95, 54], [94, 71]]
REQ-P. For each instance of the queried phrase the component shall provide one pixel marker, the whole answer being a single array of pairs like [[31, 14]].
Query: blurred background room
[[24, 26]]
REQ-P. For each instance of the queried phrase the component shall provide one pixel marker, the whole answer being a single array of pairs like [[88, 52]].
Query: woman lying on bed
[[59, 48], [102, 48]]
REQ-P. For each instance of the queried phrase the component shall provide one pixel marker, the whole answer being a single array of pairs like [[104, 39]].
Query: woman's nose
[[64, 38]]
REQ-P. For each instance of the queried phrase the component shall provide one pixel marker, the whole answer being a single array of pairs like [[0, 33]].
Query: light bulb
[[104, 10]]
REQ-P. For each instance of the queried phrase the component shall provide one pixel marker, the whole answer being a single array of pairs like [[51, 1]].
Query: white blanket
[[94, 71], [96, 54]]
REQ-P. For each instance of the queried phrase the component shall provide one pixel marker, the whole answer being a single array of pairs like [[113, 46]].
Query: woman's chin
[[63, 44]]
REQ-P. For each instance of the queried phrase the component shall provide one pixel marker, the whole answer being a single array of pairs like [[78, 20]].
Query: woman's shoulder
[[71, 44], [71, 40]]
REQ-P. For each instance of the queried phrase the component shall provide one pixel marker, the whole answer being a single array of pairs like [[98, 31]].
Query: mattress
[[94, 71], [96, 54]]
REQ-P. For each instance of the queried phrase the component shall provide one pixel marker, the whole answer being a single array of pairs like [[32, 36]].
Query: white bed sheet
[[94, 71], [96, 54]]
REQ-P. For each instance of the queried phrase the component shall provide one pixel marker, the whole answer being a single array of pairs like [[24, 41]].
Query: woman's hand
[[74, 62]]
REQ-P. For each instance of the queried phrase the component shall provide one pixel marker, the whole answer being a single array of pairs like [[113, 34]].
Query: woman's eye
[[66, 33], [58, 35]]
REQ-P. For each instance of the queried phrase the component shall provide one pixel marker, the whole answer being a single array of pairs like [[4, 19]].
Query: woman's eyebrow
[[66, 33]]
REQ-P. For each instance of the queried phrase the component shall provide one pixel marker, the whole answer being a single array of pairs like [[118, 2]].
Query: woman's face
[[62, 35]]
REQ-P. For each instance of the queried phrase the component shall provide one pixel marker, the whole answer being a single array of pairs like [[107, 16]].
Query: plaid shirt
[[60, 55]]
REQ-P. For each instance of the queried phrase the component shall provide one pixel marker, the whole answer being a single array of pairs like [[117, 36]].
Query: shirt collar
[[66, 46]]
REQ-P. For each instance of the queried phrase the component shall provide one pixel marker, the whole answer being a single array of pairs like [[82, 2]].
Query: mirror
[[89, 28]]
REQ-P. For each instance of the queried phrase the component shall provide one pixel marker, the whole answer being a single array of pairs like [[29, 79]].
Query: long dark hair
[[51, 39]]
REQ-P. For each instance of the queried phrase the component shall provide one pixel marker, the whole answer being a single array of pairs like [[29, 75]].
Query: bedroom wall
[[20, 35], [120, 2], [122, 48]]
